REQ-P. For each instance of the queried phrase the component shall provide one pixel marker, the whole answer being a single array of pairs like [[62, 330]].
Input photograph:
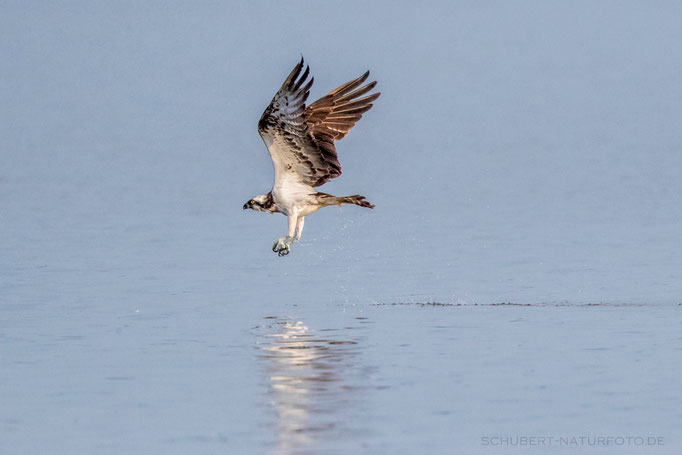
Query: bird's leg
[[299, 228], [282, 245]]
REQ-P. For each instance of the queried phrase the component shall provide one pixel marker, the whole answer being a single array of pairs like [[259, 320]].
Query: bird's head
[[260, 203]]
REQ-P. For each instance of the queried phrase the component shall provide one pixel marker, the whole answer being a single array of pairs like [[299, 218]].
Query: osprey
[[300, 140]]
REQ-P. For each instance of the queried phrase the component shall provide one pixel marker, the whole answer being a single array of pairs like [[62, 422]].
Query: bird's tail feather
[[355, 199]]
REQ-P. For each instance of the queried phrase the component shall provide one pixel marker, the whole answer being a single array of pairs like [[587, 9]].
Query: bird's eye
[[252, 202]]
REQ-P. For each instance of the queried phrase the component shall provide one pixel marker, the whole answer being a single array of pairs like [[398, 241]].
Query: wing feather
[[300, 139]]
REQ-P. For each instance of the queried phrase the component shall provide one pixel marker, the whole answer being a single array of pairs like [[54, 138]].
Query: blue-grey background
[[521, 152]]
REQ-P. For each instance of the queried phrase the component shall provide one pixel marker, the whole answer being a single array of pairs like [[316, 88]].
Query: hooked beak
[[246, 206]]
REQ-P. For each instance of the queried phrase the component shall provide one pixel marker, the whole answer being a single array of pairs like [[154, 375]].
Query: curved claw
[[281, 246]]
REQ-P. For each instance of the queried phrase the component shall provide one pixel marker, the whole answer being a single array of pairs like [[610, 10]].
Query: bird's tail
[[356, 199]]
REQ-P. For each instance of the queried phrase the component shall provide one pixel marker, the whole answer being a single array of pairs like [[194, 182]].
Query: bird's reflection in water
[[311, 379]]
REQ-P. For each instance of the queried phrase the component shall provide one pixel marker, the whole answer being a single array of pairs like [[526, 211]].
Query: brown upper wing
[[331, 117]]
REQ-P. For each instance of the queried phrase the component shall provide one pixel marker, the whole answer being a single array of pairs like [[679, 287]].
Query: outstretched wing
[[331, 117], [300, 140]]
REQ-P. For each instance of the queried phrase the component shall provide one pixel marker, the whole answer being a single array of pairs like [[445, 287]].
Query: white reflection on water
[[313, 383]]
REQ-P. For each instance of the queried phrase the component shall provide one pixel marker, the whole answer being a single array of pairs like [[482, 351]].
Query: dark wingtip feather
[[302, 79], [309, 84], [289, 81], [364, 77]]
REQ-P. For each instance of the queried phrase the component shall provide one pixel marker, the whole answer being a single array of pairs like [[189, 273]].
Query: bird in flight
[[300, 140]]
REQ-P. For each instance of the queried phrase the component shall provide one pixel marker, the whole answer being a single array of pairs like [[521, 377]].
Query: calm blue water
[[525, 153]]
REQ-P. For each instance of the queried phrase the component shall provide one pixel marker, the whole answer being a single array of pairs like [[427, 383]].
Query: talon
[[281, 246]]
